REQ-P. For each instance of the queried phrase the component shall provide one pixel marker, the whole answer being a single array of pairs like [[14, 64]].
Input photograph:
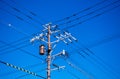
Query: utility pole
[[45, 36], [49, 54]]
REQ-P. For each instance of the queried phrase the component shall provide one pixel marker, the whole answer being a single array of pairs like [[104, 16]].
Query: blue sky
[[94, 56]]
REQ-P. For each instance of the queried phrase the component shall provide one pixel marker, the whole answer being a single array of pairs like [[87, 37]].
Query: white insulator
[[18, 68], [15, 66], [7, 64], [36, 37], [41, 35], [69, 40], [63, 52], [22, 69], [32, 40]]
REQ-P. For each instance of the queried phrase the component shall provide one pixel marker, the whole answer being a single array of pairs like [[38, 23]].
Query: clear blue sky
[[96, 55]]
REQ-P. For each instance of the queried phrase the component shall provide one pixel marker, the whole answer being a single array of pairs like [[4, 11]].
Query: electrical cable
[[18, 17], [13, 27], [79, 69], [100, 62], [19, 48], [74, 75], [30, 66], [31, 12], [21, 69], [99, 14], [28, 74], [90, 13], [19, 11], [84, 10]]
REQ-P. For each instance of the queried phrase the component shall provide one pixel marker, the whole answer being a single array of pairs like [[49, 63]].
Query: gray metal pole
[[48, 55]]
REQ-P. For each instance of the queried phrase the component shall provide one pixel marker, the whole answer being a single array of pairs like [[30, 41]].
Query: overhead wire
[[23, 51], [90, 13], [19, 11], [85, 54], [84, 10], [19, 41], [99, 14], [13, 27], [79, 69], [18, 17], [102, 63], [74, 75], [21, 76], [29, 66], [31, 12], [22, 69]]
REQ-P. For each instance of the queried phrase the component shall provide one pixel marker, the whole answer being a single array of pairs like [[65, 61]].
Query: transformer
[[41, 49]]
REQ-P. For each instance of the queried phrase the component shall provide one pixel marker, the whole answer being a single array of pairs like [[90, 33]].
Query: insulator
[[41, 50]]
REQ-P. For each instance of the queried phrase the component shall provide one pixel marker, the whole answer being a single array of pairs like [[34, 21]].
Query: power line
[[31, 12], [19, 11], [19, 18], [21, 76], [13, 27], [90, 13], [21, 69], [74, 75], [79, 69], [100, 62], [99, 14], [30, 66], [84, 10], [19, 48]]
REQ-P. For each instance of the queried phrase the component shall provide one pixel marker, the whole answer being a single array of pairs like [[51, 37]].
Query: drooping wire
[[13, 27], [79, 69], [99, 14], [19, 48], [21, 76], [19, 11], [19, 18], [31, 12], [74, 75], [90, 13], [84, 10], [21, 69], [30, 66], [19, 41], [102, 63]]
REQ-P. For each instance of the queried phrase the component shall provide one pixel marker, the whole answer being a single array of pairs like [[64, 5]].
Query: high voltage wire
[[84, 10], [18, 17], [30, 66], [13, 27], [95, 63], [79, 69], [90, 13], [21, 76], [101, 62], [19, 11], [21, 69], [2, 49], [74, 75], [23, 51], [17, 42], [31, 12], [105, 40], [99, 14]]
